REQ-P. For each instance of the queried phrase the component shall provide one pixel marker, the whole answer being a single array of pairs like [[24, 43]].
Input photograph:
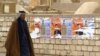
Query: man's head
[[22, 14]]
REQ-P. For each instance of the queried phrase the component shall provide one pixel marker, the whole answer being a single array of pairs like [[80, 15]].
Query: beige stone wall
[[8, 0], [34, 3], [11, 3], [65, 1], [1, 6], [56, 47], [12, 8], [87, 8], [90, 0]]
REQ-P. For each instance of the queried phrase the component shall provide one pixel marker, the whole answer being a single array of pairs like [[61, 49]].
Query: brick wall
[[56, 47]]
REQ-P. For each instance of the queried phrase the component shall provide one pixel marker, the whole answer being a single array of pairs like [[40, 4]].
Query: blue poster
[[47, 28], [68, 24]]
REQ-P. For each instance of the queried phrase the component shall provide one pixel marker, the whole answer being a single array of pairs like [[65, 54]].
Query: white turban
[[20, 13]]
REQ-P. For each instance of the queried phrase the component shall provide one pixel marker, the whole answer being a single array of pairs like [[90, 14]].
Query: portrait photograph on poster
[[56, 27], [35, 27]]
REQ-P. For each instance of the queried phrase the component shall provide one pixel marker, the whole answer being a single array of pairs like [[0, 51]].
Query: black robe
[[23, 39], [19, 42]]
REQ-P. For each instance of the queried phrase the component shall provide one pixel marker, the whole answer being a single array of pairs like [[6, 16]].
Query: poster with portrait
[[56, 27], [81, 27], [35, 27]]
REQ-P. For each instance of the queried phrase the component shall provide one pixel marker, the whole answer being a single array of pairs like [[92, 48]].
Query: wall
[[90, 0], [1, 6], [34, 3], [87, 8], [10, 3], [56, 47]]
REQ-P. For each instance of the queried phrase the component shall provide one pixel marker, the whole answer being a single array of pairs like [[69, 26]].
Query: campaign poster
[[77, 24], [89, 27], [56, 27], [35, 27], [68, 26], [83, 27], [47, 24]]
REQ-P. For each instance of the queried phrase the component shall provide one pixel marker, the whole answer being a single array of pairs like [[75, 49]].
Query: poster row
[[61, 27]]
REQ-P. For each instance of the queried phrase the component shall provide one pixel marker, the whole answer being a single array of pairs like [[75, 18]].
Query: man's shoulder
[[15, 21]]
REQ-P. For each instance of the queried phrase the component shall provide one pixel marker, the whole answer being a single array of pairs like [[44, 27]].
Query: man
[[18, 41]]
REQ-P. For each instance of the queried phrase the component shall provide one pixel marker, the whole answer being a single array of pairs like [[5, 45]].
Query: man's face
[[23, 16]]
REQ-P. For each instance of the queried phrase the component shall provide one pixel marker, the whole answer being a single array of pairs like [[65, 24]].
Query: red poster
[[56, 26]]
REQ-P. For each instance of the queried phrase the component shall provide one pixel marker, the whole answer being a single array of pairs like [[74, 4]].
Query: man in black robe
[[18, 41]]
